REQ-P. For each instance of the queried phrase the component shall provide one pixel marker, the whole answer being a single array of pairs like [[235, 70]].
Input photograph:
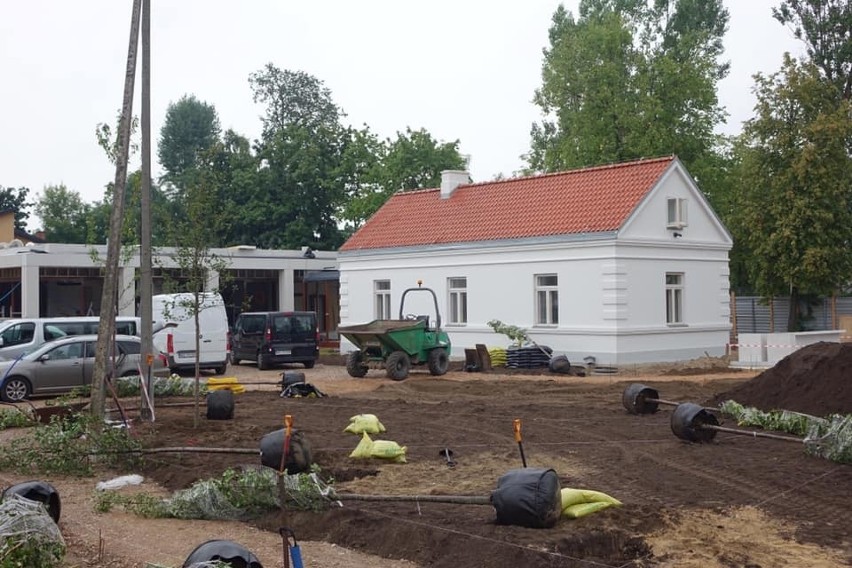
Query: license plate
[[282, 352], [185, 354]]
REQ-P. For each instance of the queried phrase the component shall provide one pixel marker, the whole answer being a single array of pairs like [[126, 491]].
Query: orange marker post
[[288, 429], [516, 426]]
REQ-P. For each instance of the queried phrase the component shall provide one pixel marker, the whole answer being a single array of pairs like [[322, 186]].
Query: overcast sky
[[462, 69]]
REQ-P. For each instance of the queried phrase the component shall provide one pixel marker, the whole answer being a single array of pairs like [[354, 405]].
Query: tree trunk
[[109, 297], [793, 319]]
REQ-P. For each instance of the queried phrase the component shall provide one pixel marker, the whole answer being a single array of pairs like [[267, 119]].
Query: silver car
[[68, 363]]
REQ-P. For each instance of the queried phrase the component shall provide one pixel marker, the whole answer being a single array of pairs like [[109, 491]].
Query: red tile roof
[[579, 201]]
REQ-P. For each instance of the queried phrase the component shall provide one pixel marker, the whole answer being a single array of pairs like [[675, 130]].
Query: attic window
[[676, 213]]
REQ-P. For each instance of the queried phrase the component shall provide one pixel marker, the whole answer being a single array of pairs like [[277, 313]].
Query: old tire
[[354, 366], [220, 370], [310, 364], [15, 389], [262, 365], [397, 365], [438, 361]]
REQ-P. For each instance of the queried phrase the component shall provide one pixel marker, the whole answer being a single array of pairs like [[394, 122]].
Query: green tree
[[631, 79], [794, 204], [190, 127], [301, 150], [64, 215], [234, 173], [15, 199], [194, 235], [826, 28], [414, 160]]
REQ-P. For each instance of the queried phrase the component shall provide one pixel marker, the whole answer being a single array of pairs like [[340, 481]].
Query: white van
[[24, 335], [177, 338]]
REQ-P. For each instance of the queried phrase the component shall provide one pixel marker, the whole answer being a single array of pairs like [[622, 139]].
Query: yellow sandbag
[[362, 423], [364, 448], [222, 381], [578, 496], [236, 388], [387, 450], [583, 509], [572, 497]]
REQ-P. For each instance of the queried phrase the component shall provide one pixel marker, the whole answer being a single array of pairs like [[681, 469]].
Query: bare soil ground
[[738, 501]]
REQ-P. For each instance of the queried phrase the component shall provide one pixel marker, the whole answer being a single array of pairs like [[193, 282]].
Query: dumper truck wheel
[[397, 365], [354, 366], [438, 361]]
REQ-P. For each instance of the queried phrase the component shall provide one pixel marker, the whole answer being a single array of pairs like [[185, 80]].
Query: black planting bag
[[529, 497], [228, 551], [298, 457]]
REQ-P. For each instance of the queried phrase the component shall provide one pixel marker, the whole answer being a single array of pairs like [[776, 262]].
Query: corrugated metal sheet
[[753, 314]]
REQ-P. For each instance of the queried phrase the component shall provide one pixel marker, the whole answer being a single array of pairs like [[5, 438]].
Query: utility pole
[[109, 297], [145, 283]]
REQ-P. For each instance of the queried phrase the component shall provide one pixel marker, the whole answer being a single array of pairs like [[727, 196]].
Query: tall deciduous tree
[[301, 149], [794, 204], [414, 160], [64, 214], [631, 79], [191, 127], [15, 199], [826, 28]]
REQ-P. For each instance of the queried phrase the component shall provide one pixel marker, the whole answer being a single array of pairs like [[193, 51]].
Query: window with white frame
[[546, 299], [676, 213], [457, 291], [382, 295], [674, 298]]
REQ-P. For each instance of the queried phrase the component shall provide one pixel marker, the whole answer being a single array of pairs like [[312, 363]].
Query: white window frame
[[675, 286], [676, 213], [456, 300], [382, 299], [546, 300]]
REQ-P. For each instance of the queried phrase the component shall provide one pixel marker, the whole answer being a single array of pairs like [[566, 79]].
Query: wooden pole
[[145, 280]]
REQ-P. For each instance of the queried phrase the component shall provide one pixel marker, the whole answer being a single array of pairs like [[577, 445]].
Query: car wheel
[[261, 362], [310, 364], [221, 370], [15, 389]]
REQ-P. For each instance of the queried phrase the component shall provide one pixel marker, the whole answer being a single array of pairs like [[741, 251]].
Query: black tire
[[261, 362], [354, 366], [397, 365], [235, 360], [310, 364], [15, 389], [438, 361], [222, 369]]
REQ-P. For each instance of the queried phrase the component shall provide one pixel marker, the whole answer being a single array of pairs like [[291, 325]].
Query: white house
[[625, 263]]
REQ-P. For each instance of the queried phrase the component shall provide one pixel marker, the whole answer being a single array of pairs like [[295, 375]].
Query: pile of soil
[[813, 380]]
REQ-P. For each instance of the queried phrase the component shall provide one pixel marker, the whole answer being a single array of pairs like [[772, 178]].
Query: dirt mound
[[814, 380]]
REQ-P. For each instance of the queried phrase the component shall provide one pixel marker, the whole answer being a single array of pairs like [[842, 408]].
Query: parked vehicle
[[65, 364], [398, 344], [274, 338], [19, 336], [177, 338]]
